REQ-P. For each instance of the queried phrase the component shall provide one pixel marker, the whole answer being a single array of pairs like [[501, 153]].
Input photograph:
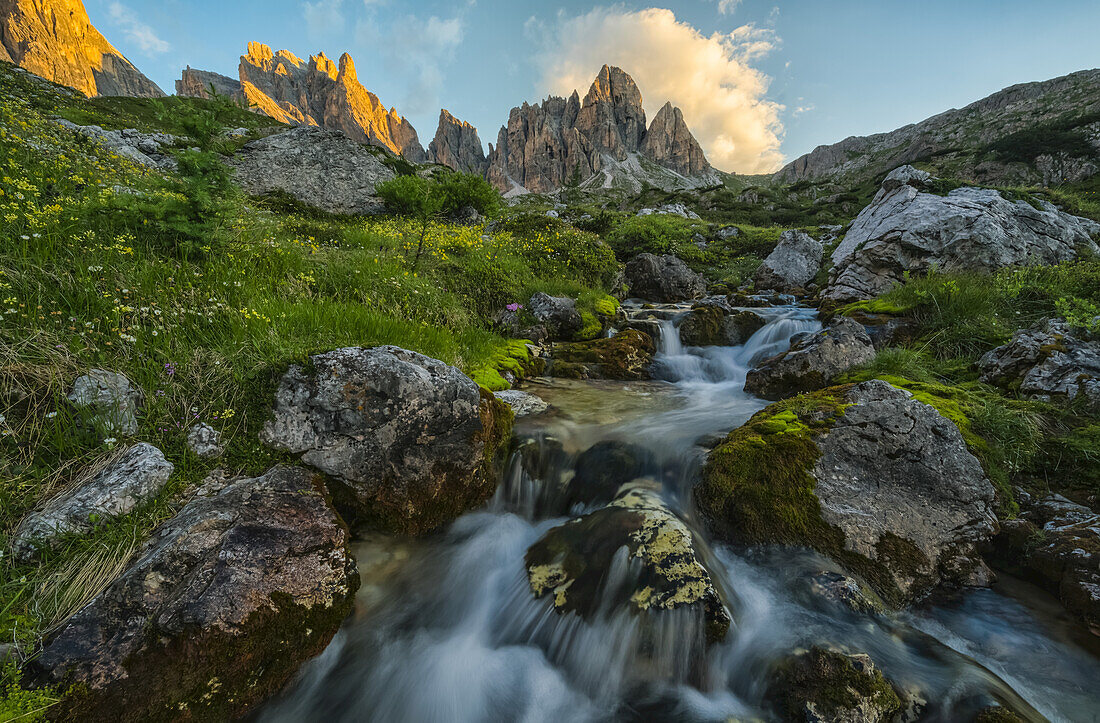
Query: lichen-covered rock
[[111, 399], [320, 168], [710, 325], [882, 483], [222, 605], [833, 686], [792, 265], [907, 230], [1055, 543], [205, 441], [523, 404], [662, 278], [571, 563], [135, 477], [557, 314], [812, 362], [1047, 362], [626, 356], [408, 442]]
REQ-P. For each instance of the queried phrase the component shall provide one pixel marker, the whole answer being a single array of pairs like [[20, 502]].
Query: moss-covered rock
[[712, 326], [865, 474], [832, 686], [626, 356], [813, 362]]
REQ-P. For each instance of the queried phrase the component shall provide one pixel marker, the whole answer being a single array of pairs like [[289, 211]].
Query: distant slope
[[56, 40], [1034, 133]]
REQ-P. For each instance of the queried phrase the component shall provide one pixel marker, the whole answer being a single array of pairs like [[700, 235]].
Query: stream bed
[[446, 628]]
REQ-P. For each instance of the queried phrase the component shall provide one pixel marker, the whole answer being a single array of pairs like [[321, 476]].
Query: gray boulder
[[135, 477], [663, 279], [1047, 362], [670, 209], [812, 362], [321, 168], [205, 441], [558, 314], [408, 442], [222, 605], [145, 149], [908, 230], [523, 404], [792, 265], [111, 400]]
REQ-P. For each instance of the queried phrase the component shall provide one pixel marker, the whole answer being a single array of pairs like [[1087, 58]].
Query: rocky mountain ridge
[[56, 40]]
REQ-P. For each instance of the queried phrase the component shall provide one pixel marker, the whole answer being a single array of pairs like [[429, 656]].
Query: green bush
[[653, 234], [460, 190]]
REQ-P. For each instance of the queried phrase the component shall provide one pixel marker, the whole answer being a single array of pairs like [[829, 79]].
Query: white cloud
[[726, 7], [417, 48], [138, 32], [324, 18], [708, 77]]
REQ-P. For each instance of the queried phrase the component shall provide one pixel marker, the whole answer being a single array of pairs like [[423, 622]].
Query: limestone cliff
[[196, 84], [56, 40], [669, 142], [456, 144]]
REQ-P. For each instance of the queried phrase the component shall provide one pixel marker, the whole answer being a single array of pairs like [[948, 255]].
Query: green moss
[[625, 356], [591, 327], [832, 683], [512, 356], [23, 704], [607, 306]]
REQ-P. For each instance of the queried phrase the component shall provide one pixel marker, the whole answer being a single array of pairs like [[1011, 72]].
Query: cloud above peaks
[[138, 32], [709, 77], [417, 48], [323, 18]]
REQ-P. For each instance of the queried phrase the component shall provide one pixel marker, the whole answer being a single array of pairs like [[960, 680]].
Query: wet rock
[[712, 326], [558, 314], [663, 279], [523, 404], [792, 265], [1055, 543], [997, 714], [833, 686], [881, 483], [111, 399], [1047, 362], [205, 441], [907, 230], [135, 477], [409, 442], [571, 563], [223, 604], [842, 590], [602, 469], [626, 356], [812, 362]]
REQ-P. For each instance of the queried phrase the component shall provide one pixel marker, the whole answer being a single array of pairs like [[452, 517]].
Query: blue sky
[[760, 81]]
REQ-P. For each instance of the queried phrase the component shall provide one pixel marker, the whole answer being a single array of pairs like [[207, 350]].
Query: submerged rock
[[572, 562], [663, 279], [602, 470], [110, 398], [409, 442], [792, 265], [865, 474], [812, 362], [135, 477], [557, 314], [833, 686], [626, 356], [220, 608]]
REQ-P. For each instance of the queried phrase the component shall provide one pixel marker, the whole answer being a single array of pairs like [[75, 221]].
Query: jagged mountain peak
[[457, 144]]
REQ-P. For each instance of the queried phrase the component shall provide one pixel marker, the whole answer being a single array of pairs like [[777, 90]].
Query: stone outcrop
[[571, 563], [56, 40], [880, 482], [1049, 362], [318, 92], [663, 279], [457, 145], [108, 401], [196, 84], [222, 605], [909, 230], [134, 478], [321, 168], [826, 684], [557, 314], [812, 362], [147, 149], [523, 404], [627, 356], [600, 140], [792, 265], [408, 442]]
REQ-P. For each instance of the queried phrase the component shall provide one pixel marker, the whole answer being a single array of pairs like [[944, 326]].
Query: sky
[[760, 82]]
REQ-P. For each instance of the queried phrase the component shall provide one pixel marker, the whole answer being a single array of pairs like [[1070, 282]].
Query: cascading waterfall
[[447, 628]]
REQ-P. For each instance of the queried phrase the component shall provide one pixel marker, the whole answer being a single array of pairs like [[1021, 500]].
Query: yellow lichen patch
[[545, 577]]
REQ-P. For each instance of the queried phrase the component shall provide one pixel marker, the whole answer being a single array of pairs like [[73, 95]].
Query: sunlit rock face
[[197, 83], [319, 92], [599, 140], [457, 145], [56, 40]]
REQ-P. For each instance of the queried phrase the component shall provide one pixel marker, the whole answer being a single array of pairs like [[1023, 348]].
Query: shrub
[[460, 190], [654, 234]]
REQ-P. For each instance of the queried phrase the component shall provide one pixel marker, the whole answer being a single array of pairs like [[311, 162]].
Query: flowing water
[[446, 628]]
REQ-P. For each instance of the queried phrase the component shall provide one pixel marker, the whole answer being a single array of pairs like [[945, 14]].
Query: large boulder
[[146, 149], [320, 168], [812, 362], [1048, 362], [557, 314], [1055, 543], [880, 482], [792, 265], [136, 476], [110, 401], [908, 230], [223, 604], [572, 563], [826, 684], [662, 278], [627, 356], [711, 325], [409, 443]]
